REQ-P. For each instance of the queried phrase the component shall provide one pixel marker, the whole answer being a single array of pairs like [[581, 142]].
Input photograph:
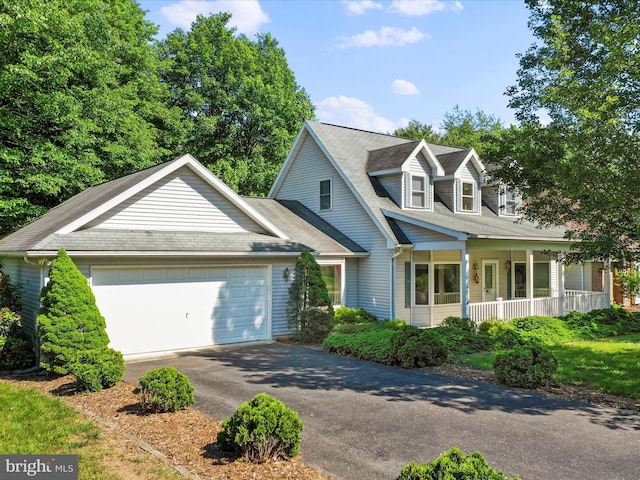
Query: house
[[405, 229]]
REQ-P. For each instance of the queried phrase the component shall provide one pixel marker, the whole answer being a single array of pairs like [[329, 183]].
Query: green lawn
[[33, 423], [611, 365]]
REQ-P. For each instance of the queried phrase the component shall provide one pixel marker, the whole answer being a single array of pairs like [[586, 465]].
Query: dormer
[[460, 186], [500, 199], [406, 172]]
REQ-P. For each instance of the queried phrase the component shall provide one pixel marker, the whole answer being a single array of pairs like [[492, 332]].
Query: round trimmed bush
[[352, 315], [453, 465], [461, 323], [526, 367], [97, 369], [165, 390], [261, 430], [424, 350]]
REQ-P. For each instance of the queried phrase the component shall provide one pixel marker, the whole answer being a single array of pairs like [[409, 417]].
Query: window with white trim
[[510, 203], [421, 272], [446, 283], [468, 197], [332, 276], [418, 191], [325, 194]]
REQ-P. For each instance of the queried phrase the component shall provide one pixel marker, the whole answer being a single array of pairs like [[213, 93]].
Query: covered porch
[[490, 280]]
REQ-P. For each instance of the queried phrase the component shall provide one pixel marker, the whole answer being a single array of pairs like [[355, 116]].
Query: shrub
[[545, 330], [16, 345], [425, 350], [462, 323], [461, 342], [165, 390], [353, 315], [307, 297], [352, 328], [453, 465], [97, 369], [10, 293], [262, 429], [526, 367], [374, 345], [69, 320], [400, 337], [501, 335]]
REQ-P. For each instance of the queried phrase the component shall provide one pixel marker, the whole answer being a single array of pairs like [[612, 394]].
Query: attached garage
[[151, 310]]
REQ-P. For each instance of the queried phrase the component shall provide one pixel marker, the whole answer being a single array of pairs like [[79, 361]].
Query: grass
[[610, 365], [33, 423]]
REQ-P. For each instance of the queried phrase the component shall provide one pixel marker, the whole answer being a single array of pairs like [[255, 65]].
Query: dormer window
[[468, 197], [418, 191], [510, 203], [325, 194]]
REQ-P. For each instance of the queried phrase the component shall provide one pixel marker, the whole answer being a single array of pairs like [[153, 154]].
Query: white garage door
[[162, 309]]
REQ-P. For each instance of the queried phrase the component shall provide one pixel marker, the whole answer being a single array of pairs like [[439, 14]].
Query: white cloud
[[247, 15], [352, 112], [359, 7], [402, 87], [386, 36], [414, 8]]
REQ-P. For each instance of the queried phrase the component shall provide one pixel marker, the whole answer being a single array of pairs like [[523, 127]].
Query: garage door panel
[[151, 310]]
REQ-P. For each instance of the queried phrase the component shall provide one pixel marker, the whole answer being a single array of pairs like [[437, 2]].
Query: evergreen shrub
[[374, 345], [424, 350], [453, 465], [525, 367], [165, 390], [16, 345], [461, 341], [97, 369], [69, 320], [459, 322], [348, 315], [261, 430]]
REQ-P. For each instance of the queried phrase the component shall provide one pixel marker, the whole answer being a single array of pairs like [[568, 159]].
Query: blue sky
[[375, 65]]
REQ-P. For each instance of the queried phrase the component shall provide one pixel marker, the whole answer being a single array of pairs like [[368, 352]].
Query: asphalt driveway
[[365, 421]]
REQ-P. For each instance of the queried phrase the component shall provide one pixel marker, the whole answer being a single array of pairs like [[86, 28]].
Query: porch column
[[530, 280], [464, 295], [608, 281]]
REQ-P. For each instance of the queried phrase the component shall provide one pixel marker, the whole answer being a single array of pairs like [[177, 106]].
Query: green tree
[[69, 320], [418, 131], [460, 128], [577, 152], [80, 103], [309, 309], [240, 102]]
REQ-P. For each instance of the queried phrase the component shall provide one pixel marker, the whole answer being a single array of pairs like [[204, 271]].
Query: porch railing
[[573, 301]]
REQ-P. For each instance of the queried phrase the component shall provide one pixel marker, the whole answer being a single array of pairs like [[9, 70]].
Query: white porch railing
[[573, 301]]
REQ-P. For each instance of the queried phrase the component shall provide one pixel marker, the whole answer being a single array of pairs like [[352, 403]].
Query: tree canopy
[[241, 104], [577, 96], [88, 95], [460, 128], [80, 100]]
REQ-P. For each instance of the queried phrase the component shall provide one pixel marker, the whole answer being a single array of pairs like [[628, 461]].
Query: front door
[[489, 280]]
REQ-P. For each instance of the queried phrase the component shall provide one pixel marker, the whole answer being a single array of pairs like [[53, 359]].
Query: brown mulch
[[185, 440], [576, 393]]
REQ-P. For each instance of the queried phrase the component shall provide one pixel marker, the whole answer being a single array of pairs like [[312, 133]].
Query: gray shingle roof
[[390, 157], [350, 149], [304, 229], [451, 161]]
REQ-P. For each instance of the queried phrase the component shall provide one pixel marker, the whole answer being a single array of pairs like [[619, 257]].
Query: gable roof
[[68, 225], [354, 153]]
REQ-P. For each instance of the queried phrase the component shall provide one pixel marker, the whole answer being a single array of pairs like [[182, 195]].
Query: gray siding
[[445, 189], [30, 277], [491, 197], [347, 215], [394, 185], [182, 202]]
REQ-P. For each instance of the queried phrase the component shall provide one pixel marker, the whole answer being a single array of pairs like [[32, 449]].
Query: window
[[520, 279], [446, 283], [418, 192], [332, 276], [510, 203], [422, 284], [468, 197], [325, 195], [541, 280]]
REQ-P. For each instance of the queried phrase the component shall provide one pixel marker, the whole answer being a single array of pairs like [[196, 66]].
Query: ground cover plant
[[588, 347]]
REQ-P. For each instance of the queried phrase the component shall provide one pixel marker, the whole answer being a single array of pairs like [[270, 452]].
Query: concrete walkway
[[365, 421]]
